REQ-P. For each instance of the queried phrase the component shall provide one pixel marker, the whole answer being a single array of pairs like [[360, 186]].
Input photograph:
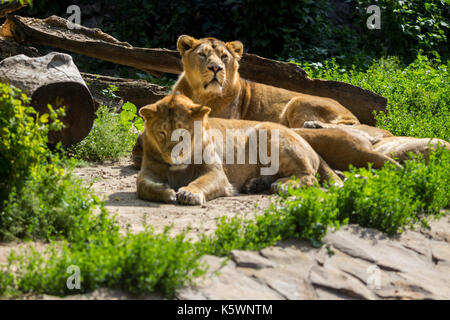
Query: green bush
[[41, 198], [23, 138], [138, 263], [418, 94], [112, 135], [407, 27]]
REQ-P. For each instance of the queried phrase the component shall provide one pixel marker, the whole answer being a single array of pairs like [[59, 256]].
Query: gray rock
[[250, 259], [227, 283], [440, 250], [439, 229], [290, 284], [373, 246], [417, 242], [328, 277]]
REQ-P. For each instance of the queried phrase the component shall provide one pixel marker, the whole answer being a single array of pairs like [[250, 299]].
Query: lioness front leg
[[151, 188], [212, 184]]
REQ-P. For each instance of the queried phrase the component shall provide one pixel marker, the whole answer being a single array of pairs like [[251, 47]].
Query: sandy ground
[[116, 183]]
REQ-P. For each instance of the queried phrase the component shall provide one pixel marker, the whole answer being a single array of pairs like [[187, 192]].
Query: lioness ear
[[198, 112], [147, 112], [236, 48], [185, 43]]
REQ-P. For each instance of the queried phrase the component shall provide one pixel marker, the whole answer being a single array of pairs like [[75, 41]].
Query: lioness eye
[[201, 54], [224, 57], [162, 134]]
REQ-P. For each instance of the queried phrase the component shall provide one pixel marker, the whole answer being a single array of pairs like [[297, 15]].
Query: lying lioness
[[167, 176], [339, 148], [383, 142], [211, 78], [401, 147]]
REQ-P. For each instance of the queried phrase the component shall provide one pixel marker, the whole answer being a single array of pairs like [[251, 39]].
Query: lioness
[[211, 78], [383, 142], [401, 147], [163, 178], [339, 148], [374, 134]]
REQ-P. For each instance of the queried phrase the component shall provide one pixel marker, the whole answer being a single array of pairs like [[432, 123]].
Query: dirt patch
[[116, 183]]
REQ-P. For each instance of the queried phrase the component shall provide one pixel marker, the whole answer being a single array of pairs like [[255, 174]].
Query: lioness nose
[[215, 68]]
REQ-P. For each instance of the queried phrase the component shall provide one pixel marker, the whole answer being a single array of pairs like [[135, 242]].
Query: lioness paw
[[186, 195], [170, 196], [313, 125]]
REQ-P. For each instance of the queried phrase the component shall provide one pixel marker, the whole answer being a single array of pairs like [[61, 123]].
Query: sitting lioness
[[211, 78], [168, 177]]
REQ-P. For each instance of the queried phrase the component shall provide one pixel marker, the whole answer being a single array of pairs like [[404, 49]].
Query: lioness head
[[163, 118], [210, 65]]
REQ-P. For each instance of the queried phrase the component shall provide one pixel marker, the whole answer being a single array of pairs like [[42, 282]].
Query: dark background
[[304, 30]]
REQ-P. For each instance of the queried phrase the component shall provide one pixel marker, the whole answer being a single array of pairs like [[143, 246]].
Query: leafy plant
[[139, 263], [112, 136], [418, 94], [407, 27], [40, 197]]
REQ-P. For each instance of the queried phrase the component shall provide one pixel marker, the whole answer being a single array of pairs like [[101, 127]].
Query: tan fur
[[161, 180], [374, 134], [400, 147], [340, 148], [232, 97]]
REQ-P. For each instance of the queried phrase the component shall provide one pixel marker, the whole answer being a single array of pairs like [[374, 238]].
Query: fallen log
[[138, 92], [53, 79], [54, 32]]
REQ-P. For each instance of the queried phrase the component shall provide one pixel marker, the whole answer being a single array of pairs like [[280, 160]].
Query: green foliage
[[418, 94], [45, 200], [407, 27], [41, 198], [23, 138], [389, 199], [305, 29], [139, 263], [112, 135]]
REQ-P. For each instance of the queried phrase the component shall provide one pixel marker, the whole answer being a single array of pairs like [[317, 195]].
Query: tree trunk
[[54, 31], [53, 79]]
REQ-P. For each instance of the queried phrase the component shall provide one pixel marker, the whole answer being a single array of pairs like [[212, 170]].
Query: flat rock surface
[[379, 268], [353, 263]]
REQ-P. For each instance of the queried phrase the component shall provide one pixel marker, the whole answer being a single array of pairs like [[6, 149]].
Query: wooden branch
[[54, 32], [10, 6]]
